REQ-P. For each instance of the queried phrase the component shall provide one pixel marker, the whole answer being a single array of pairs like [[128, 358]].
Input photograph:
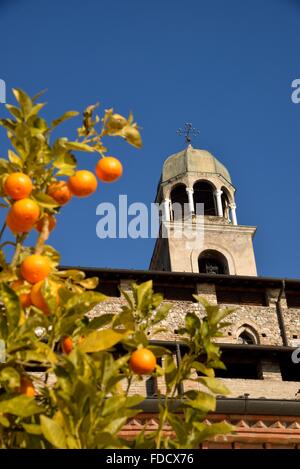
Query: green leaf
[[12, 306], [22, 406], [10, 376], [32, 428], [203, 402], [15, 159], [101, 340], [77, 146], [4, 421], [53, 432], [159, 351], [214, 385], [14, 111], [208, 431], [89, 283], [66, 163], [143, 294], [203, 369], [161, 313], [45, 200], [24, 101], [170, 371], [83, 302], [4, 166], [64, 117], [100, 321], [177, 423], [192, 322]]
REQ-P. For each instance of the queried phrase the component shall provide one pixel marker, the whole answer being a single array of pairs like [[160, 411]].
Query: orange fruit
[[60, 192], [67, 345], [142, 361], [24, 298], [37, 297], [109, 169], [15, 226], [51, 225], [83, 183], [25, 212], [35, 268], [26, 387], [18, 186]]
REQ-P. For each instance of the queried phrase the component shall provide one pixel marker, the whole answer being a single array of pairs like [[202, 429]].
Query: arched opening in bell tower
[[225, 198], [213, 262], [204, 194], [179, 198]]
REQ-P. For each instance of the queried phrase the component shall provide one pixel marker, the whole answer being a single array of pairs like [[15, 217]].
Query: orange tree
[[66, 379]]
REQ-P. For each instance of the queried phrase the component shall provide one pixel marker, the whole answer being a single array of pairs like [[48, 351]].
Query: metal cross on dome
[[188, 131]]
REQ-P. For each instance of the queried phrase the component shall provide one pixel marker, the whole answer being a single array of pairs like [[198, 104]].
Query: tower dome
[[197, 200], [193, 160]]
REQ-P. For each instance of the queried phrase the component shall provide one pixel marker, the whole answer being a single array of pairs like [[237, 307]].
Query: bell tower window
[[213, 262], [179, 200], [204, 194]]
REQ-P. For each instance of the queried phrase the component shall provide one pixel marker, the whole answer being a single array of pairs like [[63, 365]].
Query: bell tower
[[198, 183]]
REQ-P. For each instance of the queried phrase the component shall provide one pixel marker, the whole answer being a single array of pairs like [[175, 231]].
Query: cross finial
[[188, 131]]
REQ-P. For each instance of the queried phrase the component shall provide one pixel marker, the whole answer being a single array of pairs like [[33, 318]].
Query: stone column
[[233, 213], [167, 215], [190, 192], [218, 194]]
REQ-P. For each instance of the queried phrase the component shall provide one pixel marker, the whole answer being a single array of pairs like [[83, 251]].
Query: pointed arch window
[[247, 335]]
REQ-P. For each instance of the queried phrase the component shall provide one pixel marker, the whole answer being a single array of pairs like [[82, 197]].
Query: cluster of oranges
[[25, 212]]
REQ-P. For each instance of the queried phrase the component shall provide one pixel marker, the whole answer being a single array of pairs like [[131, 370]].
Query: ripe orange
[[37, 297], [51, 225], [24, 298], [67, 345], [83, 183], [18, 186], [142, 361], [25, 212], [60, 192], [35, 268], [26, 387], [109, 169], [15, 226]]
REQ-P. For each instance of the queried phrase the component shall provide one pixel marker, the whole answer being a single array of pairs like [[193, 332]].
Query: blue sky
[[225, 66]]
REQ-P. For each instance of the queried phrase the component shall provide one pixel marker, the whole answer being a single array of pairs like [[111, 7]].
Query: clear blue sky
[[226, 66]]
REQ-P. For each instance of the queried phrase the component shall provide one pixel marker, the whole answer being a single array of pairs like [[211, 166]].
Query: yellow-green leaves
[[24, 101], [22, 406], [66, 164], [12, 306], [101, 340], [53, 432], [64, 117], [117, 125]]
